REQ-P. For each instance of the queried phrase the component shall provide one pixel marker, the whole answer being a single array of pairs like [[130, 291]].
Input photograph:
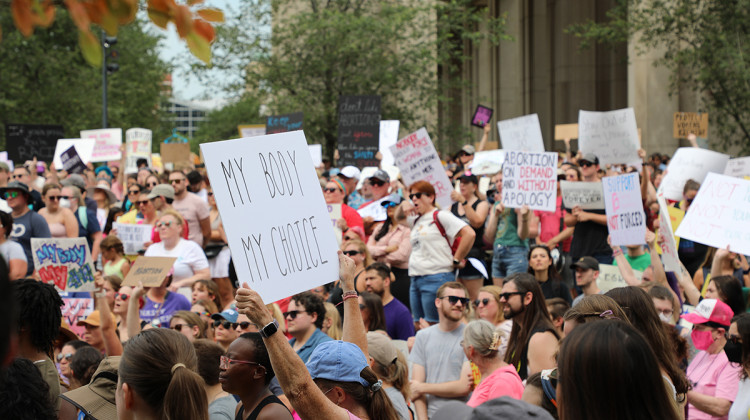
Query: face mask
[[702, 340], [666, 318], [65, 203], [733, 351]]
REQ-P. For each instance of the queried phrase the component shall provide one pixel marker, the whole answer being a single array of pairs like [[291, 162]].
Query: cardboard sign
[[690, 122], [290, 246], [251, 130], [530, 178], [417, 160], [151, 271], [375, 210], [72, 163], [175, 152], [284, 123], [133, 236], [566, 131], [487, 163], [626, 219], [610, 277], [137, 146], [316, 154], [720, 214], [738, 167], [666, 239], [690, 163], [612, 136], [76, 309], [64, 262], [388, 137], [482, 116], [586, 195], [26, 141], [359, 130], [108, 142], [522, 134]]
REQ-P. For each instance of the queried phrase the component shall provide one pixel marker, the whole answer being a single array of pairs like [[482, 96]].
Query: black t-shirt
[[589, 238], [556, 288]]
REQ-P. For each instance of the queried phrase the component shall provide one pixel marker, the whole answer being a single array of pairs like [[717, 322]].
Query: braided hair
[[38, 312]]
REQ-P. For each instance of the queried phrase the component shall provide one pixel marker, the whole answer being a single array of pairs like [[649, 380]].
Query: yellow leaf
[[204, 29], [199, 46], [22, 16], [194, 2], [43, 14], [124, 10], [91, 48], [109, 23], [211, 15], [159, 18]]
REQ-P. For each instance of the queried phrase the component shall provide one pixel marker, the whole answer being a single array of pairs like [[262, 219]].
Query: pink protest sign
[[107, 146], [482, 116], [76, 309]]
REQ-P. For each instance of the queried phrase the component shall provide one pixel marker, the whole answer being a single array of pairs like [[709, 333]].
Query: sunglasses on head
[[484, 302], [415, 196], [351, 253], [204, 313], [292, 314], [122, 296], [586, 164], [455, 299], [178, 327], [508, 295], [224, 323], [67, 356]]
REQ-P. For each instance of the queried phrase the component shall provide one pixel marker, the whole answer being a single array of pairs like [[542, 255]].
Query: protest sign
[[666, 239], [487, 163], [84, 148], [137, 146], [175, 152], [359, 130], [586, 195], [375, 210], [290, 246], [720, 214], [690, 122], [388, 137], [610, 277], [151, 271], [690, 163], [612, 136], [133, 236], [76, 308], [626, 219], [522, 134], [316, 154], [284, 123], [366, 172], [334, 212], [107, 146], [251, 130], [64, 262], [738, 167], [530, 178], [566, 131], [417, 160], [482, 116], [72, 163], [26, 141], [4, 158]]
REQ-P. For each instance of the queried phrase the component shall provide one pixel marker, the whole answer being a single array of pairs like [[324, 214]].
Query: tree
[[222, 124], [703, 43]]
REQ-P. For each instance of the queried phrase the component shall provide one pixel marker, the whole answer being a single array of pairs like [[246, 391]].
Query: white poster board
[[522, 134], [375, 210], [626, 219], [316, 153], [388, 137], [64, 262], [610, 277], [108, 142], [530, 178], [4, 158], [738, 167], [417, 159], [487, 163], [267, 191], [720, 214], [133, 236], [366, 172], [612, 136], [84, 148], [137, 146], [690, 163], [334, 212], [586, 195], [666, 239]]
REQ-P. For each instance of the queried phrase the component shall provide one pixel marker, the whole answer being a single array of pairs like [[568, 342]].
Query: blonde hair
[[362, 248], [177, 216], [495, 291], [335, 331]]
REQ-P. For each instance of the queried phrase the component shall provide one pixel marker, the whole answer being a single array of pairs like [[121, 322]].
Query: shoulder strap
[[271, 399], [440, 227], [83, 217]]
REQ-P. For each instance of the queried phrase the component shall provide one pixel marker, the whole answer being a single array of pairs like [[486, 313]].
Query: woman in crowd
[[728, 290], [128, 204], [357, 251], [489, 308], [573, 173], [113, 253], [147, 209], [472, 210], [599, 365], [371, 307], [590, 309], [221, 405], [188, 324], [433, 260], [204, 309], [158, 379], [390, 243], [114, 213], [543, 268], [61, 221], [481, 344], [11, 250], [206, 289], [104, 200], [120, 309], [218, 254], [111, 285], [151, 181], [88, 225], [332, 323], [390, 366], [737, 350], [66, 354], [718, 262], [334, 193]]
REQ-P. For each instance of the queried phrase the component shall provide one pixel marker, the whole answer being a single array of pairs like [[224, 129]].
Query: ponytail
[[379, 406], [186, 385]]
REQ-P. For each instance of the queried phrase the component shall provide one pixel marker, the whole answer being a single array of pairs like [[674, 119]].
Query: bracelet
[[746, 271], [616, 252], [349, 294]]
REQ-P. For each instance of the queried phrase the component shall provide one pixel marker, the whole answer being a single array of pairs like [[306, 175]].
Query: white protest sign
[[666, 239], [316, 153], [417, 159], [388, 137], [334, 212], [64, 262], [522, 134], [487, 163], [133, 236], [610, 277], [137, 146], [626, 219], [108, 142], [84, 148], [267, 191], [690, 163], [720, 214], [375, 210], [530, 178], [738, 167], [4, 158], [586, 195], [612, 136]]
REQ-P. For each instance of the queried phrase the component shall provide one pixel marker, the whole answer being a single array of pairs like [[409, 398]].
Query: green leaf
[[91, 48], [199, 46]]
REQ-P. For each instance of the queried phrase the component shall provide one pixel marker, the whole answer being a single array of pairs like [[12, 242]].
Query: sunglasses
[[689, 200], [455, 299], [175, 181], [484, 302], [244, 325], [224, 362], [134, 192], [586, 164], [349, 238], [164, 225], [142, 202], [210, 194], [151, 184], [53, 197], [226, 324], [351, 253], [390, 204], [17, 176], [508, 295], [178, 327], [416, 196], [11, 194], [376, 183], [733, 338], [67, 356], [292, 314], [330, 190], [122, 296], [204, 313]]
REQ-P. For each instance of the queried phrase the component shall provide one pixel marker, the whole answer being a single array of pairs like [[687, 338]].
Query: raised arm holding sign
[[611, 136], [626, 219]]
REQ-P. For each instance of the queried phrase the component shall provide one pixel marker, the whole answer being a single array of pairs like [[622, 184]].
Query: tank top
[[476, 250], [57, 230], [271, 399], [114, 269]]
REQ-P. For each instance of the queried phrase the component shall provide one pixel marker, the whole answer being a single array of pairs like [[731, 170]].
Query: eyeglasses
[[122, 296], [455, 299], [224, 362], [508, 295], [165, 224], [292, 314], [11, 194], [178, 327], [733, 338], [667, 312], [65, 197], [151, 184], [175, 181], [351, 253], [586, 164], [67, 356], [226, 324], [484, 302], [53, 197], [330, 190], [142, 202], [416, 196]]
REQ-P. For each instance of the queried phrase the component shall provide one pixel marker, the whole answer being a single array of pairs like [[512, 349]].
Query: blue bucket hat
[[228, 314], [338, 361]]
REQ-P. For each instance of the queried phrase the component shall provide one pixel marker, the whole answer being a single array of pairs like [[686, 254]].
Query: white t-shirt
[[190, 257], [430, 252], [741, 406], [12, 250]]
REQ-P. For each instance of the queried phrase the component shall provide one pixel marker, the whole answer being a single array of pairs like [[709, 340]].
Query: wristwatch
[[269, 329], [456, 262]]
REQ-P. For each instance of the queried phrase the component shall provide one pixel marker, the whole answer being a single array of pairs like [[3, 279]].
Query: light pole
[[107, 68]]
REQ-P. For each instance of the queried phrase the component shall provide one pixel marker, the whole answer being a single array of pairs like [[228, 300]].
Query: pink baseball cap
[[710, 311]]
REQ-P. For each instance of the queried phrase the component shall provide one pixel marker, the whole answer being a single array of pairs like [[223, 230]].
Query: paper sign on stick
[[151, 271], [690, 163], [738, 167], [133, 236], [626, 219], [64, 262], [522, 134], [108, 142], [690, 122], [417, 159], [666, 239], [482, 116], [84, 148], [530, 178], [72, 163], [316, 153], [612, 136], [566, 131], [487, 163], [266, 188], [720, 214], [610, 277], [137, 146], [175, 152], [388, 137], [586, 195]]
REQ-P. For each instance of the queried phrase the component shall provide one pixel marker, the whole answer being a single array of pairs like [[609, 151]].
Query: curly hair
[[24, 394], [313, 305], [38, 312]]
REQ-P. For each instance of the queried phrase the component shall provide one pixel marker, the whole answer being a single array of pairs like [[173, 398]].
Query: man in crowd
[[440, 371], [27, 224], [198, 185], [192, 208], [349, 175], [21, 174], [637, 257], [587, 272], [398, 322], [93, 334], [380, 186], [305, 315], [77, 181]]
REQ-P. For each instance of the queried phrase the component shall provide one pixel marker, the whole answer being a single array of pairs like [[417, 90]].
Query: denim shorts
[[422, 295], [509, 260]]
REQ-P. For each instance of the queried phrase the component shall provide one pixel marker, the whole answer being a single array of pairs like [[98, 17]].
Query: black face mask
[[733, 351]]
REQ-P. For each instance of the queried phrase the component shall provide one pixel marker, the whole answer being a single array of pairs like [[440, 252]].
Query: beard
[[511, 312]]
